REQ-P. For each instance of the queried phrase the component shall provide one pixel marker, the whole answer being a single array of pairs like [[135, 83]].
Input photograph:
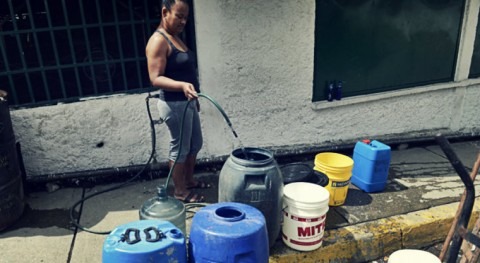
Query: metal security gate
[[62, 50]]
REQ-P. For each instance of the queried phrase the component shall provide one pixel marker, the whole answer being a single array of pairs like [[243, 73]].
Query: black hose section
[[469, 196], [72, 209], [181, 129]]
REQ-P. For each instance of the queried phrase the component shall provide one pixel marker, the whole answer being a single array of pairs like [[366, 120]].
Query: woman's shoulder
[[157, 43]]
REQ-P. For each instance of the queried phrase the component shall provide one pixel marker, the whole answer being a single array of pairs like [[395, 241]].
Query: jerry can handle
[[158, 234], [126, 236]]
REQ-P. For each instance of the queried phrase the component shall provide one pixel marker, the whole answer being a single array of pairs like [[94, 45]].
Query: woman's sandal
[[191, 198], [200, 185]]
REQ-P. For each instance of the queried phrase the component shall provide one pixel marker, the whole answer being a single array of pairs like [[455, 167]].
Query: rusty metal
[[469, 196]]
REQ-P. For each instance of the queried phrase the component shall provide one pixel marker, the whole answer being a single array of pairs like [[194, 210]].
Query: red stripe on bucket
[[301, 243], [284, 236], [301, 219]]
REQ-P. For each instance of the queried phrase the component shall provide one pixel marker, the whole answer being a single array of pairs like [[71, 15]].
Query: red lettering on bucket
[[301, 243], [301, 219], [310, 230]]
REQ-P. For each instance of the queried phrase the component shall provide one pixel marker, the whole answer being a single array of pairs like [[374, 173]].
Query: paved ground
[[415, 210]]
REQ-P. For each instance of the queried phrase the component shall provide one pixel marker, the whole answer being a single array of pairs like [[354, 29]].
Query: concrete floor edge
[[372, 240]]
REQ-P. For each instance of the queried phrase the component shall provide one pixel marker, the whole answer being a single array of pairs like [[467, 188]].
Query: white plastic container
[[412, 256], [305, 206]]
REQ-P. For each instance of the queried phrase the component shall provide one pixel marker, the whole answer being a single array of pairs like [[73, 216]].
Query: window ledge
[[321, 105]]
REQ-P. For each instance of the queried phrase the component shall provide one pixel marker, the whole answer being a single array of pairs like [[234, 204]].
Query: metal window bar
[[87, 42], [54, 46], [39, 54], [104, 48], [53, 70], [22, 52], [72, 49], [134, 32], [120, 47], [7, 68]]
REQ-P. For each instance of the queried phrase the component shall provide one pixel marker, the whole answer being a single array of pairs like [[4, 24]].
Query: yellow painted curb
[[373, 240]]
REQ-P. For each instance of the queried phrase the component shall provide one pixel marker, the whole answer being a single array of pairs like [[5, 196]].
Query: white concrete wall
[[256, 61]]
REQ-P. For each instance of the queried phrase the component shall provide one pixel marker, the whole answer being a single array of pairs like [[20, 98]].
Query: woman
[[171, 67]]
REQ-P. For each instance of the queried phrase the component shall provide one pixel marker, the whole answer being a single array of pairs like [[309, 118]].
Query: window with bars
[[379, 45], [62, 50]]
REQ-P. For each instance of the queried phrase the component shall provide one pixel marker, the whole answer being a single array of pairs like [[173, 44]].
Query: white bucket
[[413, 256], [305, 206]]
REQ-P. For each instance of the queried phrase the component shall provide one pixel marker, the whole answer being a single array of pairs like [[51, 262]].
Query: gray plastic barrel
[[11, 186], [254, 180]]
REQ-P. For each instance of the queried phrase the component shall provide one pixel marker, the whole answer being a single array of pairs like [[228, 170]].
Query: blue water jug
[[228, 232], [145, 241], [371, 163]]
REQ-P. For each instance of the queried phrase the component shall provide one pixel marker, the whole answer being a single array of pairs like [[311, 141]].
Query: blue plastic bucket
[[228, 232]]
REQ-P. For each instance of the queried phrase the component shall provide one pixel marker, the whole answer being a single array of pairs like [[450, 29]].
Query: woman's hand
[[189, 91]]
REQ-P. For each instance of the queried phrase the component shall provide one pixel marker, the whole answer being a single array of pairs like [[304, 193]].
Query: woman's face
[[176, 18]]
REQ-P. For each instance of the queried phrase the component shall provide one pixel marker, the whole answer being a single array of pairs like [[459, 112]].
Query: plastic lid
[[296, 172]]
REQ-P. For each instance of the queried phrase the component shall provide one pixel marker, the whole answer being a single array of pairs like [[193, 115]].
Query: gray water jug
[[164, 207], [251, 176]]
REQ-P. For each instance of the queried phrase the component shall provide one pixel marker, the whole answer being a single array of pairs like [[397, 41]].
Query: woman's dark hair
[[169, 3]]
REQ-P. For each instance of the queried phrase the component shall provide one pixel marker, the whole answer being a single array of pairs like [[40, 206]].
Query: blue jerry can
[[145, 241], [371, 163]]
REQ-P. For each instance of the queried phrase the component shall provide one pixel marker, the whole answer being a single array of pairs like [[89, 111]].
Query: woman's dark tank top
[[181, 66]]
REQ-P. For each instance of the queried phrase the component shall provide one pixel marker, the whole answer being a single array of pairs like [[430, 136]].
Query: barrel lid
[[296, 172]]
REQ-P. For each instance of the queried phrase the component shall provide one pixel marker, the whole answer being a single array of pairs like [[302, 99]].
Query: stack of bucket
[[305, 204], [338, 168]]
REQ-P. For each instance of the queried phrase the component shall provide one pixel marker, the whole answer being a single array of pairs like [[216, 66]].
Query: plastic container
[[145, 241], [254, 180], [319, 178], [302, 172], [412, 256], [11, 186], [372, 161], [164, 207], [296, 172], [228, 232], [304, 214], [338, 168]]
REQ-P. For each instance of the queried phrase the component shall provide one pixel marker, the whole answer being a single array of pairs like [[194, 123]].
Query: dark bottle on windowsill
[[338, 90], [330, 91]]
